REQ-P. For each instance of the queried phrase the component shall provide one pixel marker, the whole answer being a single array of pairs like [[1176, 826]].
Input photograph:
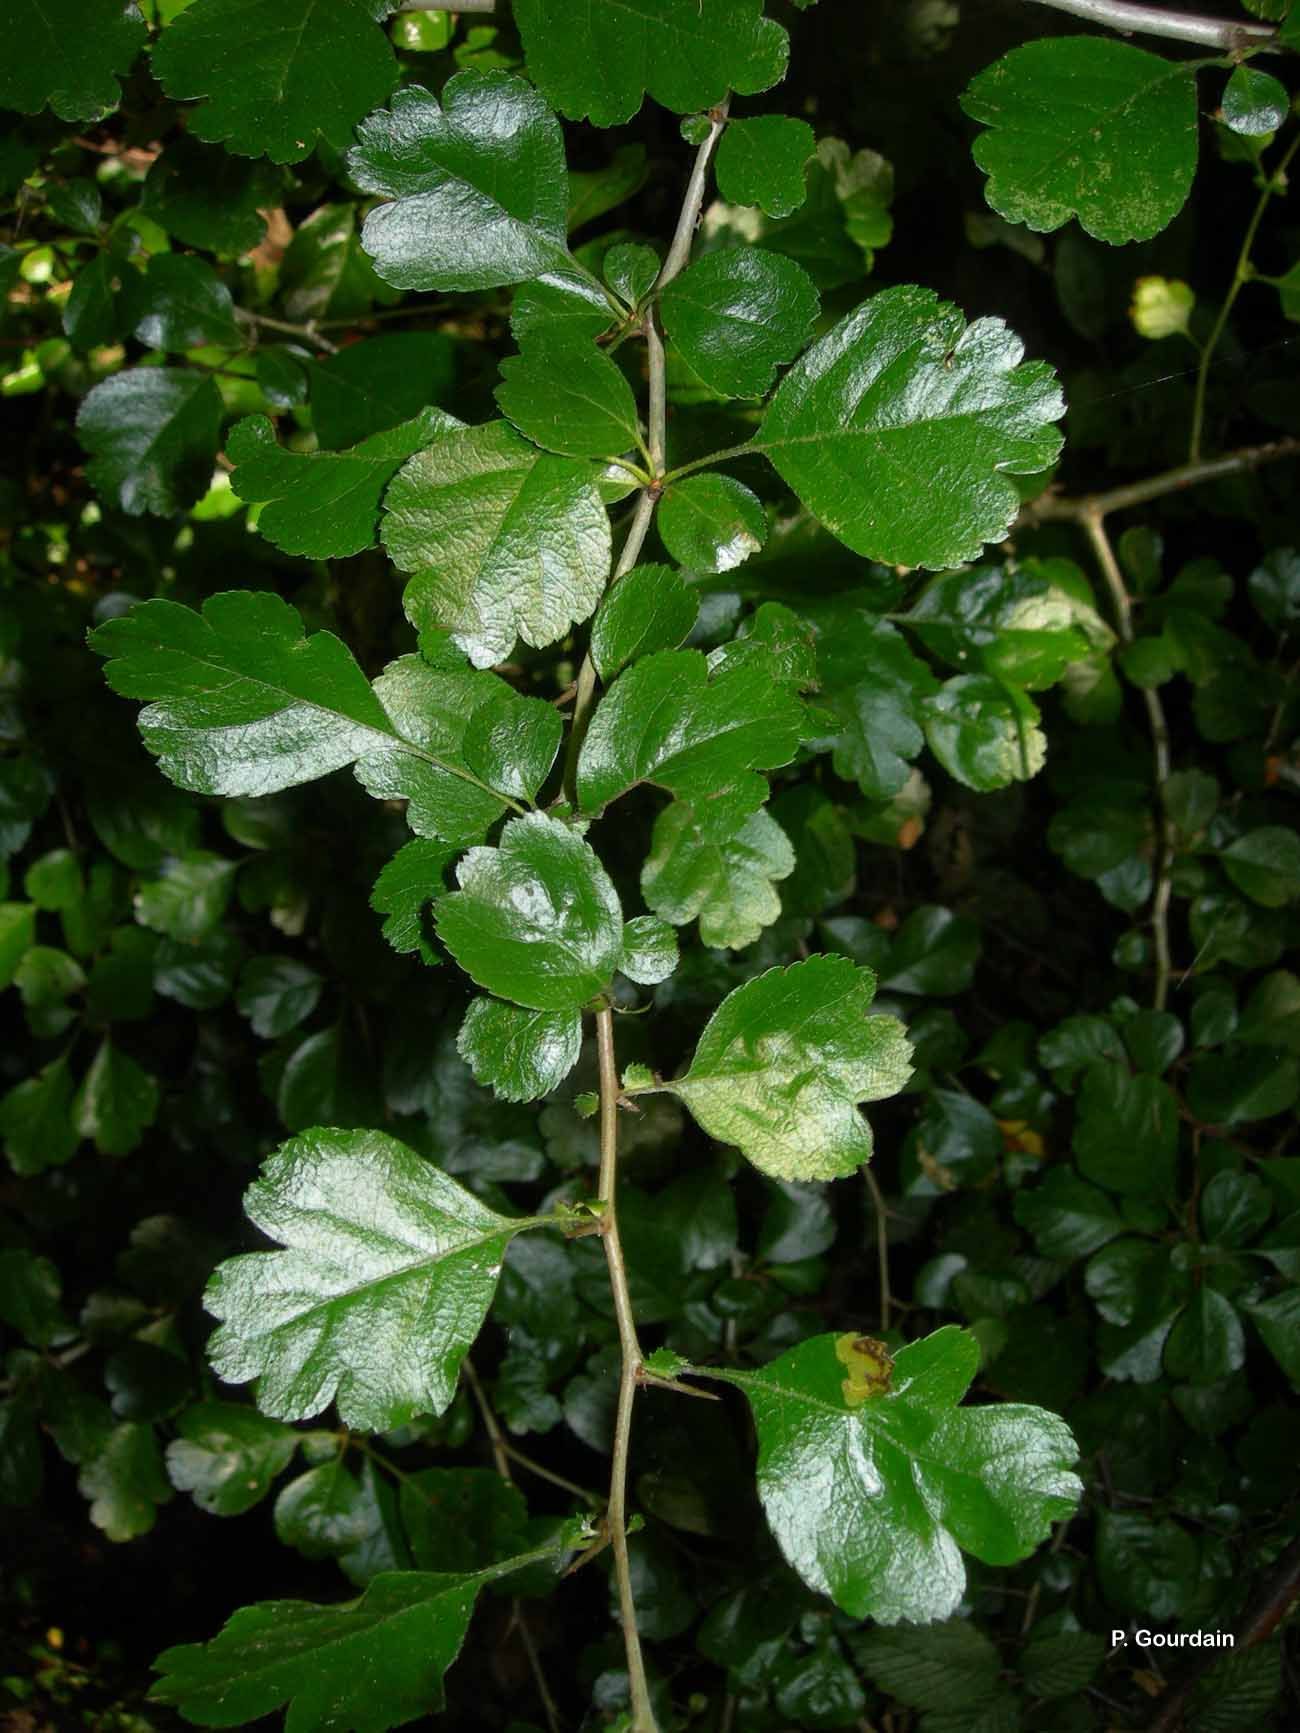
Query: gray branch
[[1128, 18], [448, 6]]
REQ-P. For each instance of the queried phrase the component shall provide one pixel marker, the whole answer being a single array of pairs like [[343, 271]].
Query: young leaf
[[597, 63], [728, 882], [666, 721], [762, 161], [410, 881], [874, 1481], [900, 392], [569, 397], [389, 1271], [520, 1054], [1120, 155], [650, 608], [477, 184], [68, 56], [649, 950], [738, 316], [784, 1061], [1254, 103], [503, 541], [152, 437], [323, 504], [323, 1662], [226, 1456], [536, 920], [711, 523], [276, 81]]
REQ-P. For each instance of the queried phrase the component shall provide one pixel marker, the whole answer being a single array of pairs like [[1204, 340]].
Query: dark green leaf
[[208, 198], [152, 437], [1275, 588], [369, 387], [1207, 1342], [944, 1666], [182, 304], [189, 898], [1145, 1566], [568, 396], [1061, 1665], [1068, 1217], [784, 1061], [30, 1293], [125, 1482], [1278, 1322], [650, 608], [276, 994], [36, 1121], [736, 317], [711, 523], [1265, 864], [68, 57], [379, 1241], [227, 1456], [1121, 158], [934, 953], [520, 1054], [116, 1103], [407, 885], [1126, 1133], [762, 161], [901, 391]]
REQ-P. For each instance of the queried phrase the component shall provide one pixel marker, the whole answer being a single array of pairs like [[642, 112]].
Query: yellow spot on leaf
[[869, 1365]]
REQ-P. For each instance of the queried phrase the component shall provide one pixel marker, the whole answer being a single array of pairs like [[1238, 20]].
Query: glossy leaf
[[784, 1061], [476, 184], [728, 882], [762, 160], [519, 1054], [1254, 103], [649, 950], [276, 82], [152, 437], [116, 1103], [874, 686], [405, 888], [182, 304], [1067, 1216], [68, 58], [1120, 154], [535, 920], [711, 523], [502, 541], [276, 994], [226, 1456], [1126, 1133], [901, 427], [665, 721], [736, 317], [569, 397], [387, 1275], [650, 608], [984, 733], [873, 1493], [323, 504], [686, 54]]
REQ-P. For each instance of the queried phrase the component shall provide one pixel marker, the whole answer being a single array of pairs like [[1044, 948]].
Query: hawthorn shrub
[[555, 646]]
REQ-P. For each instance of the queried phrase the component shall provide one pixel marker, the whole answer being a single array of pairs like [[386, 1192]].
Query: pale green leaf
[[519, 1053], [536, 920], [388, 1273], [1253, 103], [502, 540], [649, 950], [984, 733], [901, 427], [226, 1456], [728, 883], [784, 1061]]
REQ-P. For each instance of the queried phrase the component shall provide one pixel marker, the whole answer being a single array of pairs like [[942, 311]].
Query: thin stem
[[491, 1425], [1275, 183], [543, 1473], [643, 1718], [1105, 555], [308, 333], [713, 457], [882, 1244], [1050, 508], [1127, 18]]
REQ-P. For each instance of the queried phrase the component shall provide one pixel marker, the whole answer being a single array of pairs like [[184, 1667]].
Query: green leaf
[[17, 932], [1067, 1216], [649, 950], [503, 541], [1144, 1565], [763, 160], [1120, 155], [934, 953], [1234, 1207], [1275, 588], [736, 317], [844, 219], [666, 721], [727, 882], [322, 1662], [226, 1456], [189, 898], [182, 304], [594, 192], [650, 608], [568, 397], [597, 64], [276, 82], [536, 920], [325, 274], [207, 198], [276, 994], [411, 881], [116, 1103], [36, 1121], [784, 1061], [945, 1666], [711, 523], [872, 1493], [519, 1054], [323, 1513], [323, 504], [370, 387], [1254, 103], [1243, 1084], [389, 1271], [875, 686], [462, 1519], [630, 269], [30, 1292], [68, 56], [1278, 1322], [125, 1482], [1126, 1131], [1265, 864], [1014, 625], [898, 392], [152, 437], [1207, 1343], [477, 185], [984, 733], [1061, 1665]]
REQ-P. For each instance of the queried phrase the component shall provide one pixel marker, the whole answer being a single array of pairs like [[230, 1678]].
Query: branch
[[1127, 18], [448, 6], [1054, 508], [643, 1717], [308, 333]]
